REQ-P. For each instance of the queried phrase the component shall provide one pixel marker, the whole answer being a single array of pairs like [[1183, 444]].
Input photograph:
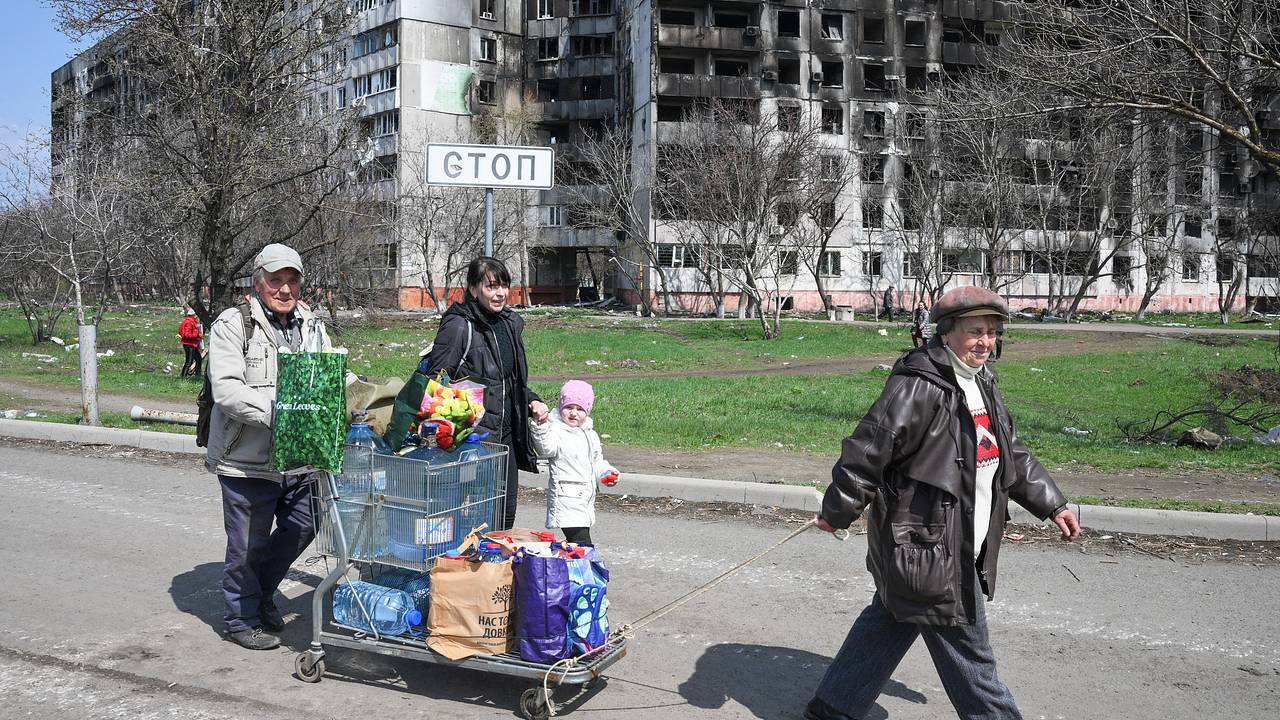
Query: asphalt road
[[111, 609]]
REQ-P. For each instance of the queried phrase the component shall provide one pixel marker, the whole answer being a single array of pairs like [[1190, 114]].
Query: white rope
[[629, 630]]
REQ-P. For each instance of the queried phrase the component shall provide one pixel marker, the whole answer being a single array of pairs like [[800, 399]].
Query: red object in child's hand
[[611, 479]]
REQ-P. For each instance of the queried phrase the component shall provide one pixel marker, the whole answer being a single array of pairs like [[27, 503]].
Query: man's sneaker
[[272, 619], [255, 639], [819, 710]]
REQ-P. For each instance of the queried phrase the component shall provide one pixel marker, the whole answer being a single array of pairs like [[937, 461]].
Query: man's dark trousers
[[257, 557]]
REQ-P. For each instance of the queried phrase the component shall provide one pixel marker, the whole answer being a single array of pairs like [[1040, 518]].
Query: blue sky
[[30, 48]]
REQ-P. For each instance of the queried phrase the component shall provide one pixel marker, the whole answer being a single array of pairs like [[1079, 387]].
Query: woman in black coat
[[482, 339]]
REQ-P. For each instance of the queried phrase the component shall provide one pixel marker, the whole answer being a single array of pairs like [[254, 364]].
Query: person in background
[[482, 339], [920, 330], [569, 440], [192, 336], [243, 345], [888, 303], [932, 466]]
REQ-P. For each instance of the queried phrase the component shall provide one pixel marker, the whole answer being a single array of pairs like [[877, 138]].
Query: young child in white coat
[[567, 440]]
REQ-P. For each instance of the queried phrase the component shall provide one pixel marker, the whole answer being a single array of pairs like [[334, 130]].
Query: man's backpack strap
[[204, 401]]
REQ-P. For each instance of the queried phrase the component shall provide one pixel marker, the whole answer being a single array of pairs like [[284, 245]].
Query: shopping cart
[[392, 516]]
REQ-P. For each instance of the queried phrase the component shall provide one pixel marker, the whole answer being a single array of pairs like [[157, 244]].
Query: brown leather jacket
[[910, 467]]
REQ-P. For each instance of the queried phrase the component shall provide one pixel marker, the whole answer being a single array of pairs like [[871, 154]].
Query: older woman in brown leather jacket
[[932, 466]]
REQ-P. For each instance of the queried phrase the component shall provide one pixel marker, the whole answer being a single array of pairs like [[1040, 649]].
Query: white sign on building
[[491, 166]]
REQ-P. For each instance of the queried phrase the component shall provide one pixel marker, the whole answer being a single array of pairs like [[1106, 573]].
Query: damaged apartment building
[[428, 70]]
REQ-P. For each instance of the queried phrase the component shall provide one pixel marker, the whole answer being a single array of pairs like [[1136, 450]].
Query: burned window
[[591, 45], [873, 123], [913, 125], [676, 16], [548, 48], [832, 73], [488, 49], [788, 23], [789, 118], [788, 262], [730, 19], [832, 167], [677, 65], [788, 214], [788, 71], [917, 79], [873, 77], [1191, 228], [1122, 270], [914, 33], [832, 120], [873, 169], [592, 7], [732, 67], [1225, 265], [872, 214], [671, 112], [486, 92], [832, 26], [872, 30], [548, 90], [592, 88]]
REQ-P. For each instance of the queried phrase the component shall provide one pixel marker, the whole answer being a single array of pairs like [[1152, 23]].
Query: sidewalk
[[1220, 526]]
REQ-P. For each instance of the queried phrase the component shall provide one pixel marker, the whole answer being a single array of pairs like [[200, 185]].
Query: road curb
[[1218, 526]]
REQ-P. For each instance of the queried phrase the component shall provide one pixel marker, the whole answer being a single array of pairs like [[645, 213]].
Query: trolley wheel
[[308, 667], [535, 704]]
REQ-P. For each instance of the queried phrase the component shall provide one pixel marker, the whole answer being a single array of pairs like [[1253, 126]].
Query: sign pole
[[488, 222]]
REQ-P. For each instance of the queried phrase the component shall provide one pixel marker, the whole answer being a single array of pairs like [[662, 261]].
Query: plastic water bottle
[[478, 489], [392, 611], [362, 471]]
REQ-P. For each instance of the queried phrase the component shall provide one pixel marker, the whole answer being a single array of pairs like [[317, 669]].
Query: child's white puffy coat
[[576, 461]]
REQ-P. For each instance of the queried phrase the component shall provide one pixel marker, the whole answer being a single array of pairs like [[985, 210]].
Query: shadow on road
[[198, 592], [770, 682]]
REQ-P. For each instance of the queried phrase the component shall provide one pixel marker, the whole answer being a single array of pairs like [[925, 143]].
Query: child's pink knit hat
[[577, 392]]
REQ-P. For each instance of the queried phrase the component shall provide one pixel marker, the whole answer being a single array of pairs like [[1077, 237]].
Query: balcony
[[954, 53], [575, 109], [708, 38], [708, 86]]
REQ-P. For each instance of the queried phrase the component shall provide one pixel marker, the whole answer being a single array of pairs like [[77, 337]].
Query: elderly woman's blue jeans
[[961, 654]]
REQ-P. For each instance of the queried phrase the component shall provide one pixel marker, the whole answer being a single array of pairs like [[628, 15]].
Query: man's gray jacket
[[244, 390]]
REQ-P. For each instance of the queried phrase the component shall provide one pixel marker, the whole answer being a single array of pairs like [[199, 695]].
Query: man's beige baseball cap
[[278, 257]]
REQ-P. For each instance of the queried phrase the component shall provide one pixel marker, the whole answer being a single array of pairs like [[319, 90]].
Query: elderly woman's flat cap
[[969, 301]]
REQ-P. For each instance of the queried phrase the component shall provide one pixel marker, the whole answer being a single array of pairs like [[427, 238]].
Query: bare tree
[[230, 102], [616, 194], [812, 216], [1207, 61], [726, 176], [84, 234]]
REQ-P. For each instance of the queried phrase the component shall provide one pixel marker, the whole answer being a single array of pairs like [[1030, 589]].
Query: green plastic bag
[[311, 411]]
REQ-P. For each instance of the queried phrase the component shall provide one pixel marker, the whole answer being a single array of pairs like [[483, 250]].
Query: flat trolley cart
[[389, 516]]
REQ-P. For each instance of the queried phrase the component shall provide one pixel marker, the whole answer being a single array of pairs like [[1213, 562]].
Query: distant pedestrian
[[567, 438], [932, 467], [920, 330], [192, 335], [888, 302]]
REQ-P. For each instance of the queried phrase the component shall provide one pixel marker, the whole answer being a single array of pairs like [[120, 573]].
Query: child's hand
[[610, 477]]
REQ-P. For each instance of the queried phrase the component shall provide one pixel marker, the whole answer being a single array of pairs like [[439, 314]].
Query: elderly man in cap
[[931, 466], [243, 344]]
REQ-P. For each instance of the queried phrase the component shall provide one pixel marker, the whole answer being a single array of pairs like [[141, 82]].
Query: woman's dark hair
[[482, 267]]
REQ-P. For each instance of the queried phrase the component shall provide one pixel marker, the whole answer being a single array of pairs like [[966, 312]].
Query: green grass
[[1213, 506], [1188, 319], [808, 414], [114, 420]]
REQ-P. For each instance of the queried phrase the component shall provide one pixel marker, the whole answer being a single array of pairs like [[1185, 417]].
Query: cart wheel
[[535, 704], [308, 667]]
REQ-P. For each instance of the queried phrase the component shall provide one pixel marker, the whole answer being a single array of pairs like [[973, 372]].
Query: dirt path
[[763, 466], [34, 396]]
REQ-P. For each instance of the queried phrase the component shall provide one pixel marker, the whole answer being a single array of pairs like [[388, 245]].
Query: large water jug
[[420, 534], [362, 469], [364, 524], [392, 611], [478, 488]]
